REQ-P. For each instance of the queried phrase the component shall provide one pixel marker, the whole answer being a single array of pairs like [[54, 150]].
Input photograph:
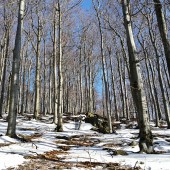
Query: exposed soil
[[43, 164]]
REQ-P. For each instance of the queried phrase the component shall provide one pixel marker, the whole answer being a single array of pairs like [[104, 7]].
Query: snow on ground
[[12, 151]]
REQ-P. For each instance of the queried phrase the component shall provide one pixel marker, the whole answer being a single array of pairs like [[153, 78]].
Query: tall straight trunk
[[114, 90], [103, 99], [27, 100], [136, 82], [11, 130], [55, 65], [77, 95], [165, 88], [2, 62], [108, 89], [155, 90], [152, 87], [119, 61], [90, 86], [93, 94], [37, 74], [23, 89], [126, 95], [44, 87], [60, 74], [66, 94], [50, 86], [20, 81], [163, 30], [156, 107], [2, 52], [86, 89], [73, 103], [168, 81], [8, 95], [165, 103], [103, 68], [166, 74], [4, 72], [81, 84]]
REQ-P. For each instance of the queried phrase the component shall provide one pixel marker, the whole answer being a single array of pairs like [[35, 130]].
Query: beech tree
[[163, 30], [96, 7], [7, 23], [137, 88], [11, 130]]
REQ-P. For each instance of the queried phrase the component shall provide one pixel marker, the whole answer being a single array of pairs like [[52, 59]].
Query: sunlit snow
[[12, 151]]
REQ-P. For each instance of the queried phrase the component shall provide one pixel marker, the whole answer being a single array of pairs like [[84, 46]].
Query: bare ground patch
[[42, 164]]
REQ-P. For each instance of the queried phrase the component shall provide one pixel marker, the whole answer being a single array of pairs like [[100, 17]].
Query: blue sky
[[86, 4]]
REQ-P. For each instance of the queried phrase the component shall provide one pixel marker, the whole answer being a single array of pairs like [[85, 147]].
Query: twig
[[135, 164]]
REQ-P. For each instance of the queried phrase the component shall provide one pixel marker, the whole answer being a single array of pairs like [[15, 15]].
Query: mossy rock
[[90, 115], [121, 152], [98, 122]]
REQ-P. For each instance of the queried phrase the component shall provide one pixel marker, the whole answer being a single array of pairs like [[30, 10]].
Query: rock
[[133, 143], [63, 137], [116, 152], [121, 152], [98, 122]]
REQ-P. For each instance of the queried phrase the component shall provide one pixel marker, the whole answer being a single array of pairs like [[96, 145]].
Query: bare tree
[[11, 130], [60, 69], [103, 64], [137, 88], [163, 31]]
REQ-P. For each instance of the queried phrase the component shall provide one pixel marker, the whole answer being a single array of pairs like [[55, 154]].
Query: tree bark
[[4, 72], [163, 30], [103, 68], [60, 74], [27, 102], [119, 61], [165, 103], [114, 90], [23, 88], [37, 74], [11, 130], [45, 79], [136, 82], [55, 64]]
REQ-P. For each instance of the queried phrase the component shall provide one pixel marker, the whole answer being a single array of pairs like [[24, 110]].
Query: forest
[[97, 63]]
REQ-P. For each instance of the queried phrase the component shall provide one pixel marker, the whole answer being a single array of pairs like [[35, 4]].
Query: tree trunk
[[155, 90], [37, 74], [165, 103], [11, 130], [103, 68], [136, 82], [163, 31], [119, 61], [126, 95], [50, 86], [152, 87], [8, 95], [4, 72], [113, 88], [60, 75], [81, 84], [23, 88], [44, 87], [55, 66], [156, 105], [27, 102]]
